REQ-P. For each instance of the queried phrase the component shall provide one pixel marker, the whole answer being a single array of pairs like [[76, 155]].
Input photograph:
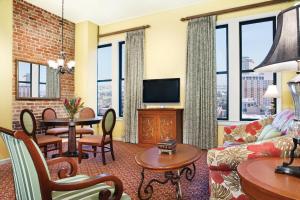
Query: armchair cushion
[[90, 193]]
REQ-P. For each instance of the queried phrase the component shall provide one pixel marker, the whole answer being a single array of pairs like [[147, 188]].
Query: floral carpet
[[128, 171]]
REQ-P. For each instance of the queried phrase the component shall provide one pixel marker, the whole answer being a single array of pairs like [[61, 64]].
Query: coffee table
[[173, 166], [259, 180]]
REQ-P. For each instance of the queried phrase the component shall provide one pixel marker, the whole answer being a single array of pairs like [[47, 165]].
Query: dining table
[[72, 147]]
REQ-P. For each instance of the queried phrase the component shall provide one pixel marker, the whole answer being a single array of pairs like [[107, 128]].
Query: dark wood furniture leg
[[173, 177]]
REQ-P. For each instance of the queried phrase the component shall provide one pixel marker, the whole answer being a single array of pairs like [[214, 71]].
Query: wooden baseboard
[[4, 161]]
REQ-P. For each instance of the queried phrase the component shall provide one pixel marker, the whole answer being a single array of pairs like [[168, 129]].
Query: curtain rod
[[235, 9], [124, 30]]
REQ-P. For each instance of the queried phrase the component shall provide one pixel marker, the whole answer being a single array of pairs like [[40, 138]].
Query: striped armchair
[[32, 178]]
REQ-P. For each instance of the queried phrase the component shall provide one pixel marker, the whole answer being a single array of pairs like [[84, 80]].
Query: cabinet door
[[147, 128], [167, 126]]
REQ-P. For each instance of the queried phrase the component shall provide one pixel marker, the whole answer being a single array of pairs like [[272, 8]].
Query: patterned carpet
[[128, 171]]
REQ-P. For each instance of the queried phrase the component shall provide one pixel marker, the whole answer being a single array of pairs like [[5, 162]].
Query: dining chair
[[28, 124], [105, 142], [33, 181], [49, 114], [86, 113]]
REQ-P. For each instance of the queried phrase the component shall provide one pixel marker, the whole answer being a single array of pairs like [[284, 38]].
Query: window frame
[[102, 80], [27, 82], [121, 109], [247, 22], [42, 83], [227, 69]]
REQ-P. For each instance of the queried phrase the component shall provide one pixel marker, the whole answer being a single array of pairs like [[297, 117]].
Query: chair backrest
[[27, 178], [28, 123], [48, 114], [87, 113], [108, 123]]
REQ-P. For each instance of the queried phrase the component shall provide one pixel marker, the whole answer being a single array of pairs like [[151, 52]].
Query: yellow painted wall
[[5, 69], [165, 47]]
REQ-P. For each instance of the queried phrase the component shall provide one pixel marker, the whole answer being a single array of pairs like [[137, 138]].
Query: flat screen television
[[161, 90]]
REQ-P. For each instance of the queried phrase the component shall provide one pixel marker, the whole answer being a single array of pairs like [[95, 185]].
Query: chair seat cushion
[[57, 131], [89, 193], [85, 130], [47, 139], [93, 139]]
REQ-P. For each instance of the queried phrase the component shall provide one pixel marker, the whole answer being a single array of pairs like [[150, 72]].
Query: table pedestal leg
[[174, 178]]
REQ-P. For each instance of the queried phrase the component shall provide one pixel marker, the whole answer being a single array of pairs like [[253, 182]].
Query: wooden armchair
[[28, 123], [32, 178]]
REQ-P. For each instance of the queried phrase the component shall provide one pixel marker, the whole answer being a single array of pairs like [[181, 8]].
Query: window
[[256, 38], [42, 81], [121, 76], [104, 79], [24, 79], [111, 77], [222, 71], [32, 81]]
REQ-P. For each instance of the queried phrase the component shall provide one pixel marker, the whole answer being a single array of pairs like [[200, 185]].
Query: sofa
[[240, 144]]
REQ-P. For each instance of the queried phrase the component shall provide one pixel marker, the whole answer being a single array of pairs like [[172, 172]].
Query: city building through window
[[256, 38], [222, 71], [111, 77]]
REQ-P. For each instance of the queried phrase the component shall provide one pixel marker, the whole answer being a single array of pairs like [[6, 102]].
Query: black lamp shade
[[285, 51]]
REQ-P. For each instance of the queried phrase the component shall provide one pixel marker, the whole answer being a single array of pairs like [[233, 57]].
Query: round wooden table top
[[259, 180], [66, 121], [184, 156]]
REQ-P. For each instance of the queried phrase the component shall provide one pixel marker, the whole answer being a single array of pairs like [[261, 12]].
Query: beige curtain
[[200, 124], [52, 84], [134, 71]]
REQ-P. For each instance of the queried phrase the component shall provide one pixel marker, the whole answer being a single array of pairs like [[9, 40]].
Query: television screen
[[161, 90]]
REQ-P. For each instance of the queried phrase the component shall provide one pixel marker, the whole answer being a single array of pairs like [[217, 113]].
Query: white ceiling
[[108, 11]]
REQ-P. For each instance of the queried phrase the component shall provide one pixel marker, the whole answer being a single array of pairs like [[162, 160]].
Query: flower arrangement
[[72, 106]]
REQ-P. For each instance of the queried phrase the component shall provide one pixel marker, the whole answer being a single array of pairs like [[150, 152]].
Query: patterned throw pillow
[[281, 120]]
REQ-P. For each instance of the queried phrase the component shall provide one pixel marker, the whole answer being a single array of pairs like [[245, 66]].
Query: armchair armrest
[[64, 172], [246, 133], [103, 194], [229, 158]]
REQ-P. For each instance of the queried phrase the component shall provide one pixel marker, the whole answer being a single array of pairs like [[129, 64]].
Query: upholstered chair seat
[[85, 130], [57, 131], [47, 139], [94, 140]]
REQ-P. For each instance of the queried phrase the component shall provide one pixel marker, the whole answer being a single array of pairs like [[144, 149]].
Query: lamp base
[[289, 170]]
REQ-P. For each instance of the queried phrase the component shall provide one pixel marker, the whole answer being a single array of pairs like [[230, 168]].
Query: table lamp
[[271, 93], [284, 55]]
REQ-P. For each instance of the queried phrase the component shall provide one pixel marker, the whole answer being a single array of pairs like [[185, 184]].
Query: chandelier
[[59, 64]]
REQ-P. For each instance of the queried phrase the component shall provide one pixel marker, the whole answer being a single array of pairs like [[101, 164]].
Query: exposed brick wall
[[36, 38]]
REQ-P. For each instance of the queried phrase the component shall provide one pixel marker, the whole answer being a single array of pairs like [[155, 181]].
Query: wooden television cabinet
[[155, 124]]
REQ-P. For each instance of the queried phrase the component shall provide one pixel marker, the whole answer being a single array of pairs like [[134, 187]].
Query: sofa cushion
[[268, 132], [229, 158]]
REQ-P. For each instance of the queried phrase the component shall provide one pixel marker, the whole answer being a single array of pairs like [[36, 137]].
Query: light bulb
[[71, 64], [52, 64], [60, 62]]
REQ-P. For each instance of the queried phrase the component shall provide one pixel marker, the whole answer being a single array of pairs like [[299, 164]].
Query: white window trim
[[234, 67]]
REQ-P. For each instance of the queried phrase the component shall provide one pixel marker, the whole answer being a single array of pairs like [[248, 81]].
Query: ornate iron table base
[[173, 177]]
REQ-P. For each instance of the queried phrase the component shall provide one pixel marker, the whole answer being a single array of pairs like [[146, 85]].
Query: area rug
[[128, 171]]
